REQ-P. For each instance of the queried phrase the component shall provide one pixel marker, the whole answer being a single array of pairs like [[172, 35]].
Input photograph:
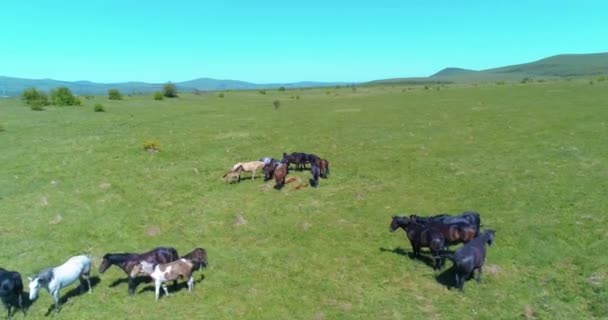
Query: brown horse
[[161, 273], [198, 257], [323, 166], [127, 261], [280, 172]]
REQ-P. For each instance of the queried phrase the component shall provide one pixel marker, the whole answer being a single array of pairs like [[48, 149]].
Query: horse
[[297, 158], [268, 169], [249, 167], [233, 175], [315, 171], [198, 256], [279, 174], [469, 217], [266, 160], [53, 279], [454, 233], [161, 273], [420, 237], [126, 261], [11, 289], [470, 257], [323, 166]]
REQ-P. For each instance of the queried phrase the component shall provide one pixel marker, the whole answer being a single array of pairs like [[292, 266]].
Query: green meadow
[[531, 158]]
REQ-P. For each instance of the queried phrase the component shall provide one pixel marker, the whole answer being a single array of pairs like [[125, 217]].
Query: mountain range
[[559, 66]]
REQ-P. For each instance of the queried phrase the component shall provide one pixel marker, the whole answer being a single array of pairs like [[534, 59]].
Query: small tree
[[158, 95], [281, 88], [62, 96], [169, 90], [276, 104], [99, 108], [221, 95], [34, 98], [114, 94]]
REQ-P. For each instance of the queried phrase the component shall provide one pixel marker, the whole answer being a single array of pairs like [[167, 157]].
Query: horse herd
[[441, 231], [162, 264], [278, 169]]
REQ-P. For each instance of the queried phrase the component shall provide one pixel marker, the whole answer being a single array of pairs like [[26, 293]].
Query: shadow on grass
[[428, 260], [137, 281], [447, 278], [174, 287], [75, 292]]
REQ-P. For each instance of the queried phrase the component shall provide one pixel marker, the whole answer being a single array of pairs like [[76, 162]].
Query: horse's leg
[[157, 288], [478, 278], [165, 288], [131, 285], [87, 277], [8, 308], [20, 300], [56, 298], [190, 283]]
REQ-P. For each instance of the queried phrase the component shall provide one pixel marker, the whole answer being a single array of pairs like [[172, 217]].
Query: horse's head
[[34, 285], [490, 236], [105, 264], [398, 222]]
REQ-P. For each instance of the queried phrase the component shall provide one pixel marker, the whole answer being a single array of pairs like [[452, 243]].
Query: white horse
[[53, 279], [249, 167]]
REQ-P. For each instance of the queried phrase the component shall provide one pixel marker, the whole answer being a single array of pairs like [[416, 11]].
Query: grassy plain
[[532, 159]]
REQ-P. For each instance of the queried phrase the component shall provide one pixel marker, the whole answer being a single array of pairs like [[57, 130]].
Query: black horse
[[421, 236], [470, 257], [469, 217], [316, 172], [269, 167], [126, 261], [198, 257], [11, 289]]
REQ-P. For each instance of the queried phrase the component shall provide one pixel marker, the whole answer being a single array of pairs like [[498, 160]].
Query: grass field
[[532, 159]]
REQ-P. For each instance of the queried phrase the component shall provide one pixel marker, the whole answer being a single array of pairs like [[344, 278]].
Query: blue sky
[[287, 41]]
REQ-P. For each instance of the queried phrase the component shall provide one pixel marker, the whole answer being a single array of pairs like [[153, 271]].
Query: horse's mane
[[45, 276], [119, 257]]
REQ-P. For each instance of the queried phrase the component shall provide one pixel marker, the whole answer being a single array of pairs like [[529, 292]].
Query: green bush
[[276, 104], [151, 145], [1, 128], [221, 95], [281, 88], [114, 94], [34, 98], [169, 90], [62, 96], [262, 91], [99, 108], [601, 79], [158, 95]]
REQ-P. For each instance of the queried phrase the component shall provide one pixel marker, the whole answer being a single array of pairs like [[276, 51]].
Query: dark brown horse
[[323, 166], [198, 257], [454, 233], [126, 261], [280, 172]]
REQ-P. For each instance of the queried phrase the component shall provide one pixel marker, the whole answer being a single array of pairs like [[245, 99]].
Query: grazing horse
[[279, 174], [249, 167], [198, 257], [315, 171], [323, 166], [161, 273], [470, 257], [54, 279], [268, 169], [454, 233], [421, 236], [233, 175], [126, 261], [11, 289], [297, 158]]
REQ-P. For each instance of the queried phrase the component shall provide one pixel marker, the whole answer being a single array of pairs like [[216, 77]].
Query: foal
[[280, 172], [233, 175], [161, 273], [249, 167]]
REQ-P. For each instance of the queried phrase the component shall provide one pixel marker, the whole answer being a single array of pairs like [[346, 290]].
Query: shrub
[[1, 128], [500, 83], [276, 104], [114, 94], [169, 90], [221, 95], [600, 79], [99, 108], [297, 97], [526, 80], [281, 88], [151, 145], [158, 95], [62, 96], [262, 91], [426, 87], [34, 98]]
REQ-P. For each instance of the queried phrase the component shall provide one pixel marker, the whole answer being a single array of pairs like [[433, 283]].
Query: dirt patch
[[305, 225], [153, 231], [56, 220], [266, 187], [240, 221], [529, 313], [105, 185], [44, 201], [319, 316], [597, 279], [492, 269]]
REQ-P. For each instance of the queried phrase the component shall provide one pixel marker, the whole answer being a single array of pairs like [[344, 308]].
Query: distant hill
[[560, 66], [10, 86]]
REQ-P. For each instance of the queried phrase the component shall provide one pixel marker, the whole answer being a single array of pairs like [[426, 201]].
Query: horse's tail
[[326, 167]]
